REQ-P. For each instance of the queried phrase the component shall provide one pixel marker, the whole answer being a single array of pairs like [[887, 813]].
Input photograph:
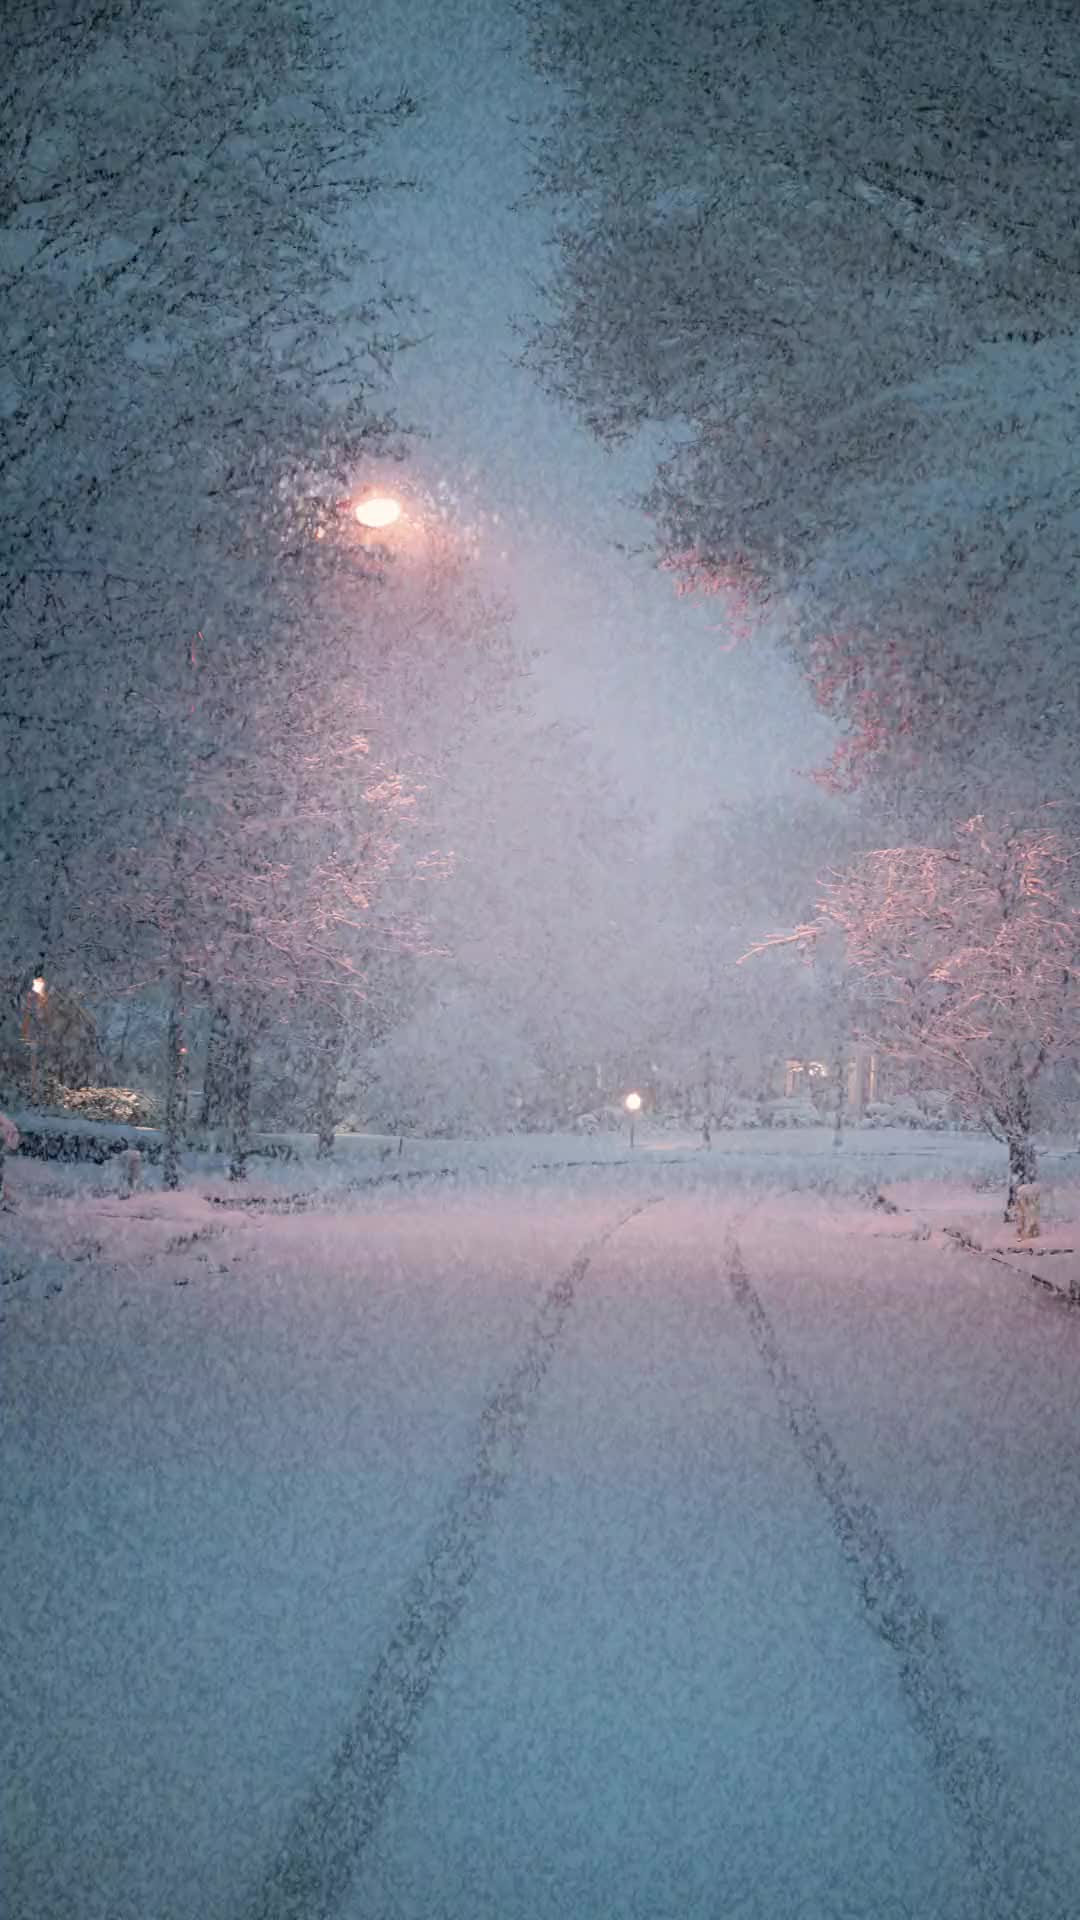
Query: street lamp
[[35, 1002], [377, 510], [632, 1104]]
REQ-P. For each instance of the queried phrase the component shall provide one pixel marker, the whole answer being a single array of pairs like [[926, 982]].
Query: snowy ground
[[672, 1536]]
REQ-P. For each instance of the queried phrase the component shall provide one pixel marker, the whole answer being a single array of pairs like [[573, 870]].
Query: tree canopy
[[831, 250]]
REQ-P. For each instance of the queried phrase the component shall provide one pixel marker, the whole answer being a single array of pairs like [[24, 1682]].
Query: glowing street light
[[378, 510], [32, 1015], [632, 1103]]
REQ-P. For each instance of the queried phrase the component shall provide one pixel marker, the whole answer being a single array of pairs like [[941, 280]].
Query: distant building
[[867, 1077]]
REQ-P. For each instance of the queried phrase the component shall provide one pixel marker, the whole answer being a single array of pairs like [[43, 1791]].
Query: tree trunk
[[175, 1087], [706, 1124], [862, 1075], [213, 1112], [841, 1098], [327, 1069], [175, 1050], [121, 1047], [1023, 1169], [1016, 1125], [241, 1048]]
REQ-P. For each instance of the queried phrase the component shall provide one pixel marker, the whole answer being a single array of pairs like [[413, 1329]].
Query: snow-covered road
[[599, 1548]]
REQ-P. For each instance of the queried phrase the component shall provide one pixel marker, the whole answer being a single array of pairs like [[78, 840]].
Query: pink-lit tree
[[190, 317], [967, 958], [268, 886]]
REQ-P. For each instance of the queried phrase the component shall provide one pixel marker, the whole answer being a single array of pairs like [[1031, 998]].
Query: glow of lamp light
[[37, 985], [378, 511], [633, 1102]]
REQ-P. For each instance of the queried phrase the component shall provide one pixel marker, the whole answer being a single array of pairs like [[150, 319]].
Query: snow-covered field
[[670, 1534]]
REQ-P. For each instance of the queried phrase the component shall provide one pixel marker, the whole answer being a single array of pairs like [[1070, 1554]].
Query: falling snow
[[539, 906]]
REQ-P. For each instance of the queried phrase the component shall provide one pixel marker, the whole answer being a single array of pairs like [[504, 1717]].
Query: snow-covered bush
[[122, 1106], [793, 1113], [903, 1111], [603, 1120]]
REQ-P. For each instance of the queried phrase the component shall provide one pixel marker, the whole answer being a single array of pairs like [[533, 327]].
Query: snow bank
[[971, 1218]]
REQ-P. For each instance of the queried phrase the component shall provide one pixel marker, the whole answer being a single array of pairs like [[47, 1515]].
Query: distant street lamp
[[632, 1104], [35, 1002], [378, 510]]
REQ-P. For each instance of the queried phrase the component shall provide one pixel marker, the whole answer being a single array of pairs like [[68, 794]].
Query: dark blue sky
[[685, 721]]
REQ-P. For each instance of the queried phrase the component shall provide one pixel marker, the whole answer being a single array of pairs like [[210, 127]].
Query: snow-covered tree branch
[[966, 959], [856, 306]]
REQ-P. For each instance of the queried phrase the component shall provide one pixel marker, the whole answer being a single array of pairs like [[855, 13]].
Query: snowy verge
[[365, 1164], [969, 1218]]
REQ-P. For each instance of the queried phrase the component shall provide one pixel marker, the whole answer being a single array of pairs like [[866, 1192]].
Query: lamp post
[[35, 1003], [632, 1104]]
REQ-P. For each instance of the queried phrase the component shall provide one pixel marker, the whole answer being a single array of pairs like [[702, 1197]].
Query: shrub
[[120, 1106], [901, 1112], [794, 1113]]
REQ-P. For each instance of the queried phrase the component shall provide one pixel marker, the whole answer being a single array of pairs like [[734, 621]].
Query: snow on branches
[[737, 589], [967, 958], [184, 288], [862, 354]]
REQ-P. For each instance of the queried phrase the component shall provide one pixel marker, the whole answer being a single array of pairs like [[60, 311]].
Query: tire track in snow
[[318, 1862], [1017, 1878]]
